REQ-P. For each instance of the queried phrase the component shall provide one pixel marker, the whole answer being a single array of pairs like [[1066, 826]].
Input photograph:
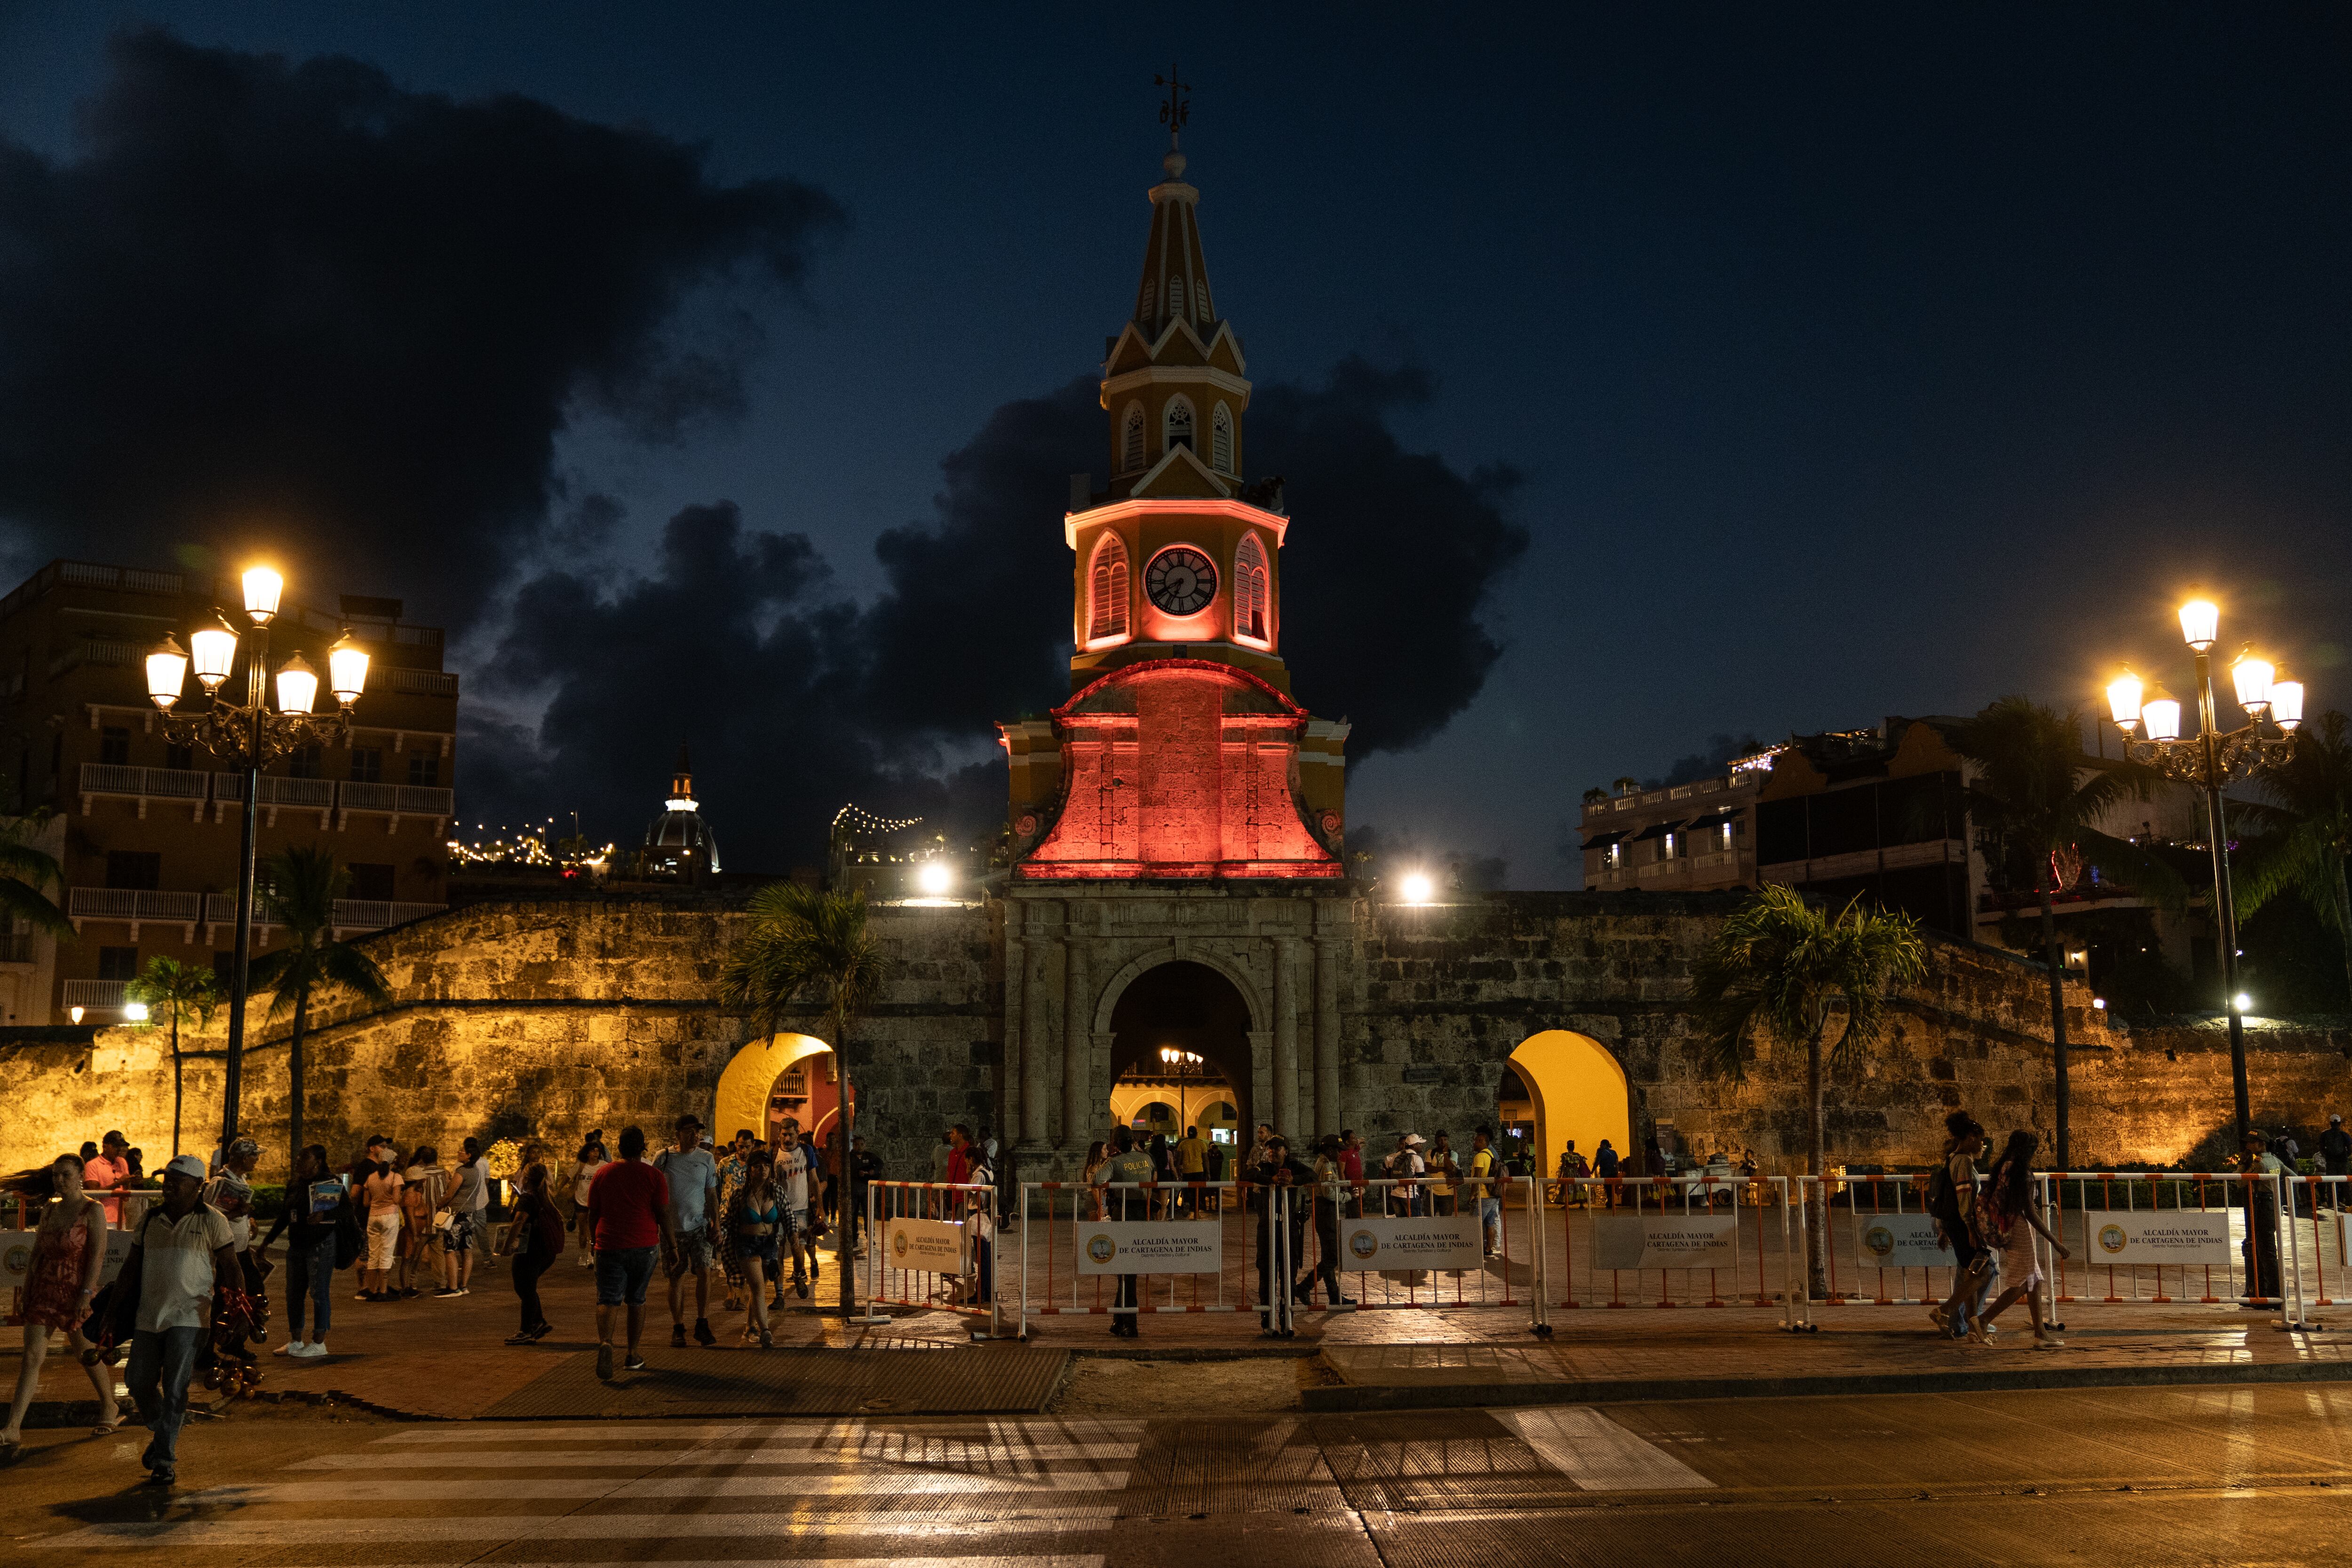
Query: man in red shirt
[[959, 1154], [628, 1222], [107, 1173]]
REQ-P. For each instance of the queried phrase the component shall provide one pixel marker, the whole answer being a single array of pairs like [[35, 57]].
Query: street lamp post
[[2210, 761], [1181, 1066], [251, 735]]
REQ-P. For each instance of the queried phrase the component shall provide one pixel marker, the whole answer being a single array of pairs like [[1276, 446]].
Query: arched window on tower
[[1106, 598], [1130, 446], [1175, 295], [1221, 439], [1201, 296], [1250, 596], [1180, 424]]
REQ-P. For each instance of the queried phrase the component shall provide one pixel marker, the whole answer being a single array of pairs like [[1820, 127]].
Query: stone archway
[[1187, 1005], [751, 1079], [1576, 1090]]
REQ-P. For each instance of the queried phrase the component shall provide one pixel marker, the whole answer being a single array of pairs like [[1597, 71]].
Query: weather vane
[[1178, 107]]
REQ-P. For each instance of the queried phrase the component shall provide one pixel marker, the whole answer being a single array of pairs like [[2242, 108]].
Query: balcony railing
[[350, 914], [225, 790], [416, 682], [133, 906], [100, 994], [141, 784]]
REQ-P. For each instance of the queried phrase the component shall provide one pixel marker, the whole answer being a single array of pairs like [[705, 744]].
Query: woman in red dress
[[69, 1253]]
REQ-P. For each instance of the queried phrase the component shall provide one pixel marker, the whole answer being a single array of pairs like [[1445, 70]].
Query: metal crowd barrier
[[931, 1244], [2240, 1226], [1171, 1232], [1423, 1249], [1710, 1232]]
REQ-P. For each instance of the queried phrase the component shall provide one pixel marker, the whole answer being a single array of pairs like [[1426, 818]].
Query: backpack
[[1943, 1201]]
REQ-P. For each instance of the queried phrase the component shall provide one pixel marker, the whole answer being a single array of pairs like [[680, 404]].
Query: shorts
[[762, 1250], [382, 1239], [695, 1250], [457, 1236], [622, 1276]]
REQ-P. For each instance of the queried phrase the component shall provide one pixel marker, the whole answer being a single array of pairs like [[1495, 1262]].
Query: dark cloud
[[796, 701], [272, 304]]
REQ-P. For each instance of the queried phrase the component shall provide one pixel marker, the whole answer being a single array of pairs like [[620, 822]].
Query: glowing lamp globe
[[347, 668], [2251, 676], [2161, 715], [933, 879], [135, 1012], [2124, 693], [167, 671], [1417, 887], [2200, 622], [2287, 704], [214, 650], [297, 686], [262, 588]]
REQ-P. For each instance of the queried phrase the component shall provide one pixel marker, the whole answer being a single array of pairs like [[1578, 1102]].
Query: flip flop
[[106, 1428]]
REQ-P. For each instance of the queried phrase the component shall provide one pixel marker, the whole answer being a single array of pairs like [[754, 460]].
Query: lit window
[[1132, 444], [1180, 424], [1614, 856], [1250, 588], [1666, 848], [1221, 438], [1106, 605]]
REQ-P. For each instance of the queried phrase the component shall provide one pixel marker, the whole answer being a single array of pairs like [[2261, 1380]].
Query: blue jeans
[[1490, 1218], [162, 1361], [622, 1276], [311, 1271]]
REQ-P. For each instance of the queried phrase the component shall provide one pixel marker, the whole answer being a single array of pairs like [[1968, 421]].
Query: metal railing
[[1673, 1241], [94, 993], [133, 904], [153, 783], [1170, 1233]]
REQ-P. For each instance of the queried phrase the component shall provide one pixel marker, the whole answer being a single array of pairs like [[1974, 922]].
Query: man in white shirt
[[793, 1182], [179, 1250], [693, 1177]]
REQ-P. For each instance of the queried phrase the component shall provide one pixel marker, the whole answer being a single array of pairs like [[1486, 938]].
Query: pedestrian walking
[[1118, 1182], [978, 1211], [1483, 1189], [423, 1197], [628, 1215], [1952, 1203], [1352, 1169], [2012, 1221], [533, 1239], [734, 1165], [692, 1178], [865, 1169], [1090, 1177], [1330, 1191], [793, 1179], [470, 1197], [591, 1160], [1445, 1170], [942, 1154], [1607, 1168], [316, 1208], [1281, 1228], [182, 1250], [379, 1192], [756, 1219], [60, 1282], [2336, 1157], [2260, 1247]]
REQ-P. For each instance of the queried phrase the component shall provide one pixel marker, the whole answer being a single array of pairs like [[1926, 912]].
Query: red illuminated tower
[[1180, 753]]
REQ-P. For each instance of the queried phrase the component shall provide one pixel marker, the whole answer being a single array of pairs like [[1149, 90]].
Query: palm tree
[[2306, 831], [802, 940], [186, 990], [2040, 797], [303, 884], [1781, 966]]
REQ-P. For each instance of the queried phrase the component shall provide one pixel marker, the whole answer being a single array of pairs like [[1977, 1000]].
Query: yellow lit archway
[[742, 1097], [1580, 1093]]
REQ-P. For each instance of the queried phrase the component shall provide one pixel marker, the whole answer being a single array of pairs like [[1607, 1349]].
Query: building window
[[1175, 296], [118, 963], [137, 868], [1727, 834], [1668, 849], [1250, 589], [1106, 598], [1613, 857], [181, 757], [303, 763], [1130, 453], [1180, 424], [367, 764], [114, 746], [1201, 294], [1221, 438], [424, 772], [370, 881]]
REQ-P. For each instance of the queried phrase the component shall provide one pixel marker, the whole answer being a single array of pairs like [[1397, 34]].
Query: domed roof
[[678, 842]]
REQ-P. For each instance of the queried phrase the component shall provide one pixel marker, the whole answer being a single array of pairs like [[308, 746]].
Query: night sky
[[1639, 380]]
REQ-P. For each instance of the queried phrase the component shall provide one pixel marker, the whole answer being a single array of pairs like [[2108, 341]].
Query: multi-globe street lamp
[[2213, 759], [250, 735], [1184, 1066]]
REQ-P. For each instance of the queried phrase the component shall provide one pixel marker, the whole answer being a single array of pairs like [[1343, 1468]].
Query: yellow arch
[[742, 1097], [1580, 1093]]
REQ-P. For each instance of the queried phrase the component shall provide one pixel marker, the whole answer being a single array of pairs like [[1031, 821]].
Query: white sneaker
[[293, 1347], [312, 1352]]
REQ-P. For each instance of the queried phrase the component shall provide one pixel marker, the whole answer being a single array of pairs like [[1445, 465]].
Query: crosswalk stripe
[[480, 1528], [517, 1435], [839, 1483], [926, 1451], [1597, 1454]]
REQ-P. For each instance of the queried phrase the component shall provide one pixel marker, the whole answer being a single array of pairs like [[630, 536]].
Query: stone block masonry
[[558, 1015]]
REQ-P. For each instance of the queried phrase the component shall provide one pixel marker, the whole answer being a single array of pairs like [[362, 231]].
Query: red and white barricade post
[[1676, 1241], [2164, 1236], [1399, 1247], [931, 1244], [1883, 1244], [1136, 1249]]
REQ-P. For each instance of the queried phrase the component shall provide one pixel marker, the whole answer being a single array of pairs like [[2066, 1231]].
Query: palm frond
[[21, 900]]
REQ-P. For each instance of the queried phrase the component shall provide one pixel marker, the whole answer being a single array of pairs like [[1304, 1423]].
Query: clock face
[[1181, 581]]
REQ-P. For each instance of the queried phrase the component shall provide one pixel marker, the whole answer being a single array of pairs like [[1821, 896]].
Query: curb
[[1356, 1396]]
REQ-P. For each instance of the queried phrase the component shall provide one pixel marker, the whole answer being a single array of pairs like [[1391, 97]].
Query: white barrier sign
[[2163, 1237], [1391, 1243], [17, 1257], [1902, 1241], [1668, 1240], [1151, 1247], [934, 1246]]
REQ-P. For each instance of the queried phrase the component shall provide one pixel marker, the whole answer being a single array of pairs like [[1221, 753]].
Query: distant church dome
[[680, 843]]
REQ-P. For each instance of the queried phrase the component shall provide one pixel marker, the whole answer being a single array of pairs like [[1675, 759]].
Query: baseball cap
[[243, 1146], [187, 1165]]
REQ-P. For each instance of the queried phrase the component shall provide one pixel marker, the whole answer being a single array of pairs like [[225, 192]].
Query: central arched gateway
[[770, 1078], [1179, 1006]]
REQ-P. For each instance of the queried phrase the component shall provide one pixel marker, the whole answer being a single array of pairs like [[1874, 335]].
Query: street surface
[[2219, 1474]]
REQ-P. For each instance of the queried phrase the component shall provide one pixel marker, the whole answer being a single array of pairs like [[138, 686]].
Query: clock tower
[[1181, 752]]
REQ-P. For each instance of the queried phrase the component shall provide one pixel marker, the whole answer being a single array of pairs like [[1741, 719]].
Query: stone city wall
[[554, 1016]]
